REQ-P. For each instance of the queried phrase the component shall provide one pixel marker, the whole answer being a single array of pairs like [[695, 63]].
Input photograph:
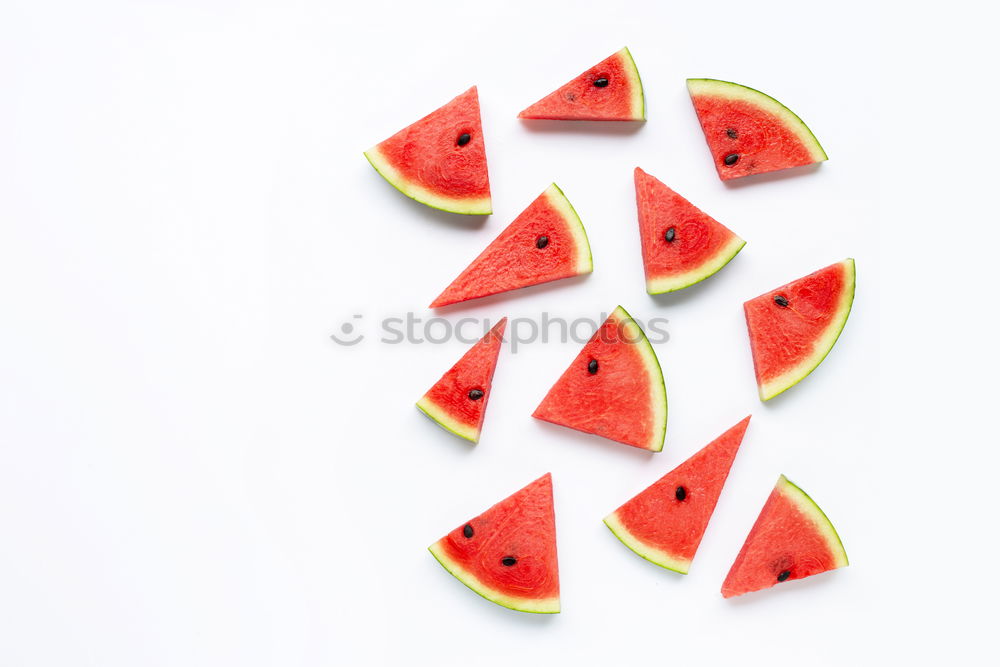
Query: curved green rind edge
[[438, 415], [652, 554], [546, 606], [808, 506], [791, 118], [794, 376], [657, 387], [712, 266], [424, 196], [584, 255], [637, 82]]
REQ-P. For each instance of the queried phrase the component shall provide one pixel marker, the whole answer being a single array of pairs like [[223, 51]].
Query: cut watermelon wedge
[[610, 90], [507, 554], [614, 388], [749, 132], [546, 242], [665, 523], [791, 539], [457, 402], [440, 160], [680, 245], [794, 327]]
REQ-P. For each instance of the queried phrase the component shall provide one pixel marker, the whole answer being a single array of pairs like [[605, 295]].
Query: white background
[[193, 473]]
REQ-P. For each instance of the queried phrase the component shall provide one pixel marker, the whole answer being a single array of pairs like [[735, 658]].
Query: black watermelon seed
[[464, 138], [670, 234], [781, 301], [509, 561], [681, 493], [784, 575], [731, 159], [592, 367], [467, 531], [602, 82], [541, 242], [475, 394], [731, 133]]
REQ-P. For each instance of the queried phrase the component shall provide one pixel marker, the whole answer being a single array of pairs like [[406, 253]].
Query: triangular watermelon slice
[[610, 90], [507, 554], [794, 327], [440, 160], [681, 245], [457, 402], [791, 539], [545, 242], [749, 132], [665, 523], [614, 388]]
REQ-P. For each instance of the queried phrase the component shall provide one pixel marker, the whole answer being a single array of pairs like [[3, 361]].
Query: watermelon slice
[[665, 523], [614, 388], [791, 539], [610, 90], [793, 328], [749, 132], [546, 242], [507, 554], [680, 245], [440, 160], [457, 402]]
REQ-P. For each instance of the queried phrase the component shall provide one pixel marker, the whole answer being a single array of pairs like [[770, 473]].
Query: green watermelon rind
[[657, 388], [584, 256], [823, 345], [529, 605], [709, 268], [731, 90], [415, 191], [441, 417], [646, 551], [638, 95], [817, 516]]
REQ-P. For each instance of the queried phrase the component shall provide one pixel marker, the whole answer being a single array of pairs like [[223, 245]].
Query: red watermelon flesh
[[749, 132], [545, 242], [433, 161], [507, 554], [610, 90], [665, 523], [791, 539], [457, 402], [681, 245], [794, 327], [614, 388]]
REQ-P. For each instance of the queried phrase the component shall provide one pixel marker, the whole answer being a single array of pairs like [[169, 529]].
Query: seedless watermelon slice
[[545, 242], [791, 539], [794, 327], [614, 388], [665, 523], [749, 132], [457, 402], [610, 90], [507, 554], [440, 160], [680, 245]]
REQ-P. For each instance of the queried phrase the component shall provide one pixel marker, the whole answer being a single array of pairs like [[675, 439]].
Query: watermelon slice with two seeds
[[791, 539], [457, 402], [614, 388], [665, 523], [749, 132], [610, 90], [794, 327], [545, 242], [680, 244], [507, 554], [440, 160]]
